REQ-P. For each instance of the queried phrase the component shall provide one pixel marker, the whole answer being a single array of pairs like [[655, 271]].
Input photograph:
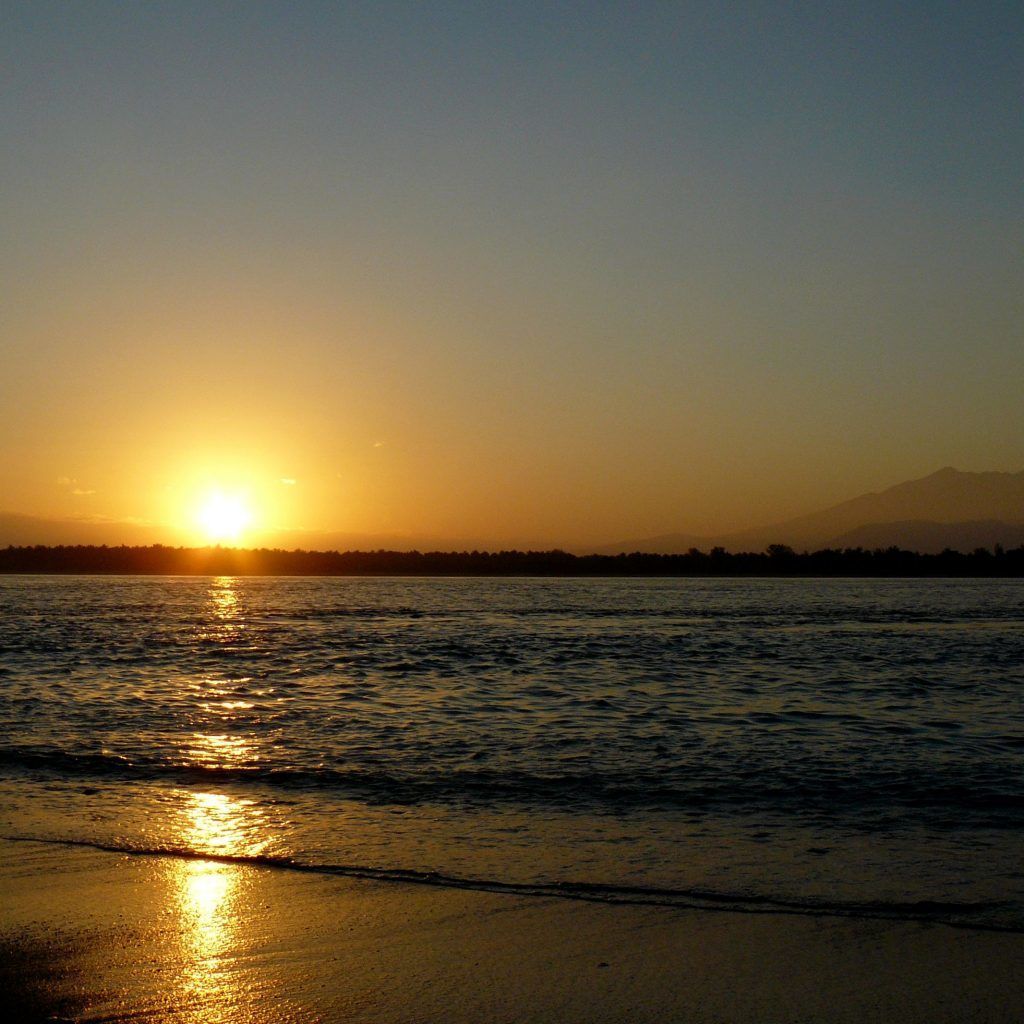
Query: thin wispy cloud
[[72, 485]]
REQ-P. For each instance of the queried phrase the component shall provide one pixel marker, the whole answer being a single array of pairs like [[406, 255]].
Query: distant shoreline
[[777, 561]]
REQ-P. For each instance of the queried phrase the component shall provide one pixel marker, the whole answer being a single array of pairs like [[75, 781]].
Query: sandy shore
[[87, 935]]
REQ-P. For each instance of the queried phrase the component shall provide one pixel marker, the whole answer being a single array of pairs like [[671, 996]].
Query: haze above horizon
[[527, 274]]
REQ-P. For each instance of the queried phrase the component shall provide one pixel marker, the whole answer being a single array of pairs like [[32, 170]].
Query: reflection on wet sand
[[208, 903]]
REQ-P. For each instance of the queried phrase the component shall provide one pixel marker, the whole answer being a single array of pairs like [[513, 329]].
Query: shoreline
[[926, 912], [89, 934]]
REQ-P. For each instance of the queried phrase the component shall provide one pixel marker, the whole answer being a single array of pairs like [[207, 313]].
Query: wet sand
[[87, 935]]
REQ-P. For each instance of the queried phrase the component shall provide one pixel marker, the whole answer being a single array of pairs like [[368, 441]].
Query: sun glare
[[223, 518]]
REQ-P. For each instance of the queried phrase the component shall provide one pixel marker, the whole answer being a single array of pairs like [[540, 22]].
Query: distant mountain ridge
[[948, 508]]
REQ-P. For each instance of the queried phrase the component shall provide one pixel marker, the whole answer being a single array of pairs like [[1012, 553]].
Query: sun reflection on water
[[224, 596], [224, 614], [209, 898], [220, 750], [212, 899], [218, 703]]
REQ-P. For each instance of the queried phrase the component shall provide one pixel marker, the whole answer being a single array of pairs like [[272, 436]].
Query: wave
[[832, 616], [953, 914], [946, 798]]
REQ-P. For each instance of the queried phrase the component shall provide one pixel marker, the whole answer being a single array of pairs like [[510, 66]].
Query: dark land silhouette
[[777, 560], [946, 509]]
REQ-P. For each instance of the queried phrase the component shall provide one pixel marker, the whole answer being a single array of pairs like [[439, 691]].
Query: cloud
[[72, 484], [378, 444], [289, 481], [97, 518]]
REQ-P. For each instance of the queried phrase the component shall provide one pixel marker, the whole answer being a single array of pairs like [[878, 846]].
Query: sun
[[223, 517]]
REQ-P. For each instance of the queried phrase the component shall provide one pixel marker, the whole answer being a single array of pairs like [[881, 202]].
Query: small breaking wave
[[953, 914]]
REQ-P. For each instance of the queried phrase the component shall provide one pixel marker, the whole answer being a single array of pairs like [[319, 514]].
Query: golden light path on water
[[210, 897], [224, 606]]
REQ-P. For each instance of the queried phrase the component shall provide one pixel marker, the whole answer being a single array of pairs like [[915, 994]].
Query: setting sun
[[223, 517]]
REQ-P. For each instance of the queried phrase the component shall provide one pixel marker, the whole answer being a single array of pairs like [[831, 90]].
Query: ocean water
[[841, 747]]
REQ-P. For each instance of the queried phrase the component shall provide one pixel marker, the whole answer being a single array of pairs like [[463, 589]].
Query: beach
[[248, 801], [96, 936]]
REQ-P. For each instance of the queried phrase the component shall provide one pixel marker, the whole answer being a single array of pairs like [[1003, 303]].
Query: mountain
[[924, 514]]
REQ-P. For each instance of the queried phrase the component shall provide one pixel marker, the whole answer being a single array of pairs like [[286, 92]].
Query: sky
[[524, 273]]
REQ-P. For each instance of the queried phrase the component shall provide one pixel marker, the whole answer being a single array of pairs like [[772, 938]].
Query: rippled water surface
[[835, 744]]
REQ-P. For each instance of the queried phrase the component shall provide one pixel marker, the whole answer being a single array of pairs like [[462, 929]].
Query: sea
[[833, 747]]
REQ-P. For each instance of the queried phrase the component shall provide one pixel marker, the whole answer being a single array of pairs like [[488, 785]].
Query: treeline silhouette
[[777, 560]]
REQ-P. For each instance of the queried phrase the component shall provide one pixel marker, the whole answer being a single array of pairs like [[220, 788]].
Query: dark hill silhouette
[[948, 496]]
